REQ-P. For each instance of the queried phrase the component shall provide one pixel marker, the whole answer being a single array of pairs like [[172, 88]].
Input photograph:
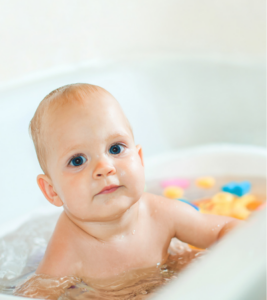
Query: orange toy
[[227, 204]]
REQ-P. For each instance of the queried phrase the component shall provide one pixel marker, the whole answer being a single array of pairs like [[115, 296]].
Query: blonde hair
[[55, 100]]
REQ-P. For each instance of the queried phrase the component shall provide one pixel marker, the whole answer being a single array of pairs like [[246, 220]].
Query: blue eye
[[77, 161], [116, 149]]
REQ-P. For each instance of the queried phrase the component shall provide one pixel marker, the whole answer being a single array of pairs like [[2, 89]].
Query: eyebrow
[[117, 135], [69, 149], [72, 147]]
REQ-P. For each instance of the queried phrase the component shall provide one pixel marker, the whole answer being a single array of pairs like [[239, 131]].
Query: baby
[[93, 168]]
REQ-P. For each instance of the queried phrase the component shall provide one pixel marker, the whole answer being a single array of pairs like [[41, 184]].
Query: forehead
[[96, 119]]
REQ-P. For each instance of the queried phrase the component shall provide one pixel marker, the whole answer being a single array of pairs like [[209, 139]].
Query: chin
[[119, 205]]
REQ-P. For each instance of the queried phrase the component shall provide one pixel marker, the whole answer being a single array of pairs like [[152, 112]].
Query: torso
[[84, 256]]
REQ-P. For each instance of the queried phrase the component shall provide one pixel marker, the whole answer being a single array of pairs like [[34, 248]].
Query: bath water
[[137, 284]]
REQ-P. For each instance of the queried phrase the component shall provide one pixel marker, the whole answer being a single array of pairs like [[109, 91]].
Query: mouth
[[109, 189]]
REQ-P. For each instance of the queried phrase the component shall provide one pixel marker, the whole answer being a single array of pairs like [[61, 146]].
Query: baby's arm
[[193, 227]]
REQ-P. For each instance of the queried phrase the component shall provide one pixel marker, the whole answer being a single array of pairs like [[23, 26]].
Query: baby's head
[[84, 143]]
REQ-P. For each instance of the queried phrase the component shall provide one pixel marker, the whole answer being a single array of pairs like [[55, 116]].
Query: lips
[[109, 189]]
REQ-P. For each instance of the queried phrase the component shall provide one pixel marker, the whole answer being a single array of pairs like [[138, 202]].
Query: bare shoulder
[[160, 208], [61, 256], [155, 201], [171, 212], [166, 206]]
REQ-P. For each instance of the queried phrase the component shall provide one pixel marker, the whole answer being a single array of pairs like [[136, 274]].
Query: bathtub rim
[[214, 151], [61, 70]]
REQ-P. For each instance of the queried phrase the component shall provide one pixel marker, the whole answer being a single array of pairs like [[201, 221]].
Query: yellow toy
[[227, 204], [205, 182], [173, 192]]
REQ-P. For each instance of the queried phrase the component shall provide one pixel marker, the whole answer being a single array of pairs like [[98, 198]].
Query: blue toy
[[193, 205], [238, 189]]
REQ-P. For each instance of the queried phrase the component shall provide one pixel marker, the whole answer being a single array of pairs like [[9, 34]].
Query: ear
[[45, 185], [140, 153]]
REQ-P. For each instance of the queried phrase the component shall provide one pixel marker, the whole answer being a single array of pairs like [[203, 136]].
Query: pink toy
[[183, 183]]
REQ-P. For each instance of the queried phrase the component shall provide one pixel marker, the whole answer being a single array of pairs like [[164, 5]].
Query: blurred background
[[40, 35], [186, 73]]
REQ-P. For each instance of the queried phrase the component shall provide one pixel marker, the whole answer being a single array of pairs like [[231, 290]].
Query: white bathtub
[[172, 103]]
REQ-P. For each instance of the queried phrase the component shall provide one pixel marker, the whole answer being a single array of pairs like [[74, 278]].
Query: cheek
[[132, 173], [122, 173], [74, 188]]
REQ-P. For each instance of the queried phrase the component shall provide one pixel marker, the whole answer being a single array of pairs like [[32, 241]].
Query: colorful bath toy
[[205, 182], [241, 213], [196, 248], [193, 205], [255, 205], [238, 189], [227, 204], [180, 182], [173, 192], [233, 200], [223, 197]]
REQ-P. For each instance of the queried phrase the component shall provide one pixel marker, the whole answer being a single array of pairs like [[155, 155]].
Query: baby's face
[[91, 148]]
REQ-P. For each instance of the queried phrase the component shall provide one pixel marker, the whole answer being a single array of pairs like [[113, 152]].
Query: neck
[[118, 228]]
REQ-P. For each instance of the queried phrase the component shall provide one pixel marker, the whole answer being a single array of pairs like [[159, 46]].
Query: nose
[[103, 168]]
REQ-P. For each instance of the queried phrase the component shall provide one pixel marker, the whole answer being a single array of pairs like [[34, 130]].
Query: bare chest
[[106, 259]]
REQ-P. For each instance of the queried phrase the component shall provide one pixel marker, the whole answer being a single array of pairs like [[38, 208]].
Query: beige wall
[[36, 35]]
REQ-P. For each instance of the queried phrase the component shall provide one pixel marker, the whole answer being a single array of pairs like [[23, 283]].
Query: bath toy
[[227, 204], [240, 212], [216, 208], [205, 182], [196, 248], [222, 197], [201, 201], [207, 208], [249, 201], [255, 205], [193, 205], [240, 208], [173, 192], [238, 189], [182, 183], [222, 203], [246, 199], [233, 201]]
